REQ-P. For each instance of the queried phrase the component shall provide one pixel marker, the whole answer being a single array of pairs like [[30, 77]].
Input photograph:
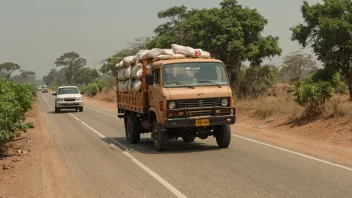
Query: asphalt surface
[[103, 164]]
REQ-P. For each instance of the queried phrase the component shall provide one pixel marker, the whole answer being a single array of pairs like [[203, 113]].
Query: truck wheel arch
[[153, 110]]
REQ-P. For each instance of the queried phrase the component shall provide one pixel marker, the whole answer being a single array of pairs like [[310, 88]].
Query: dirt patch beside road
[[33, 166]]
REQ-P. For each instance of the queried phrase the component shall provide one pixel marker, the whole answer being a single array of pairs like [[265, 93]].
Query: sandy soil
[[33, 167], [327, 138]]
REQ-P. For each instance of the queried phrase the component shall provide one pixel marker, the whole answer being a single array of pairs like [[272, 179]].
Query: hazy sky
[[33, 33]]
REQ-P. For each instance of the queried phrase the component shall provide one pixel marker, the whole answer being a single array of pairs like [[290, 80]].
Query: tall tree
[[86, 75], [232, 33], [296, 63], [9, 68], [73, 62], [327, 29]]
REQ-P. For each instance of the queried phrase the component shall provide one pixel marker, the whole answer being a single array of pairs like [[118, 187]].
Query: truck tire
[[81, 109], [223, 136], [160, 138], [188, 139], [134, 128], [125, 118]]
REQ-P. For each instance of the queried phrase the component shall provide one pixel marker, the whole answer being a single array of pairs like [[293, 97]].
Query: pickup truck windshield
[[194, 74], [70, 90]]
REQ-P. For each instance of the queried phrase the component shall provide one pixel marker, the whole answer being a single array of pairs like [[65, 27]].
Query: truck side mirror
[[54, 94], [149, 79], [233, 75]]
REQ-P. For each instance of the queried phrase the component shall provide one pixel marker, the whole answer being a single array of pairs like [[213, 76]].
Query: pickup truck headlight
[[172, 105], [80, 98], [224, 102], [59, 99]]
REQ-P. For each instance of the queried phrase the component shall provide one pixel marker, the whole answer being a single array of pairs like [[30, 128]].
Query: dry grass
[[339, 106], [282, 104], [108, 95]]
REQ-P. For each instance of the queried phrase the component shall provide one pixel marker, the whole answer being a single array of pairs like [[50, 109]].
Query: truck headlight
[[172, 105], [224, 102], [80, 98]]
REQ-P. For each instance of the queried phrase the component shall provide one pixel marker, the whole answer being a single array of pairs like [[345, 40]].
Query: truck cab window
[[156, 73]]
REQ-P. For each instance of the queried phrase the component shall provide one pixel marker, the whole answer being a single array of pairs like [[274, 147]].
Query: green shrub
[[15, 101], [93, 88], [312, 96]]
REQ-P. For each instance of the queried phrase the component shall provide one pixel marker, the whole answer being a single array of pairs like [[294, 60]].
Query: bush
[[312, 96], [93, 88], [15, 101], [256, 80]]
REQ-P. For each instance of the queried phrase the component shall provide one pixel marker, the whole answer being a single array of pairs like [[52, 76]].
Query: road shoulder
[[34, 166]]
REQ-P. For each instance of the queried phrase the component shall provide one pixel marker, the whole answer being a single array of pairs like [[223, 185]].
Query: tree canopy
[[231, 33], [72, 61], [296, 63], [328, 30], [9, 68]]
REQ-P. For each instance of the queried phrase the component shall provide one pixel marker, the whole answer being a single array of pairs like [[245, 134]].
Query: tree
[[51, 77], [327, 29], [73, 62], [9, 68], [86, 75], [25, 76], [296, 63], [231, 33]]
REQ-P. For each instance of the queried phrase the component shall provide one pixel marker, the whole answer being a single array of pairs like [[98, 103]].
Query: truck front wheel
[[223, 136], [160, 138], [134, 128]]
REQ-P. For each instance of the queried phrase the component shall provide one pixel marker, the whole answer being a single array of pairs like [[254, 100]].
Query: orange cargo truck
[[179, 97]]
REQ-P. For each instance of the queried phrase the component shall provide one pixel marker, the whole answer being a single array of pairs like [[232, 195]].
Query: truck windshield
[[194, 74], [70, 90]]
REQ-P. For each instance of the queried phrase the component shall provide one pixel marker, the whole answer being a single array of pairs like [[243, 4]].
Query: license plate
[[202, 122], [69, 103]]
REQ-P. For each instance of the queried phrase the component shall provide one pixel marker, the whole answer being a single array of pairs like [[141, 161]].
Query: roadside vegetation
[[304, 85], [15, 100]]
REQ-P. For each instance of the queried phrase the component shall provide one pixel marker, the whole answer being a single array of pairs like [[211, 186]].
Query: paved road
[[104, 164]]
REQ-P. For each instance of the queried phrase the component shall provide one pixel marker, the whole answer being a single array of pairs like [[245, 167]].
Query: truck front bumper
[[212, 120]]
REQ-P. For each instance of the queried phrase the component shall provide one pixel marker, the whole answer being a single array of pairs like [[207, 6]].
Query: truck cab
[[184, 98]]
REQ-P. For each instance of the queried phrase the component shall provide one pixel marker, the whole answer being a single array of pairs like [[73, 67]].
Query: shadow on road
[[146, 146], [63, 112]]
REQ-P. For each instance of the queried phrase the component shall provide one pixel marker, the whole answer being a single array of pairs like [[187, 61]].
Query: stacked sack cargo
[[130, 69]]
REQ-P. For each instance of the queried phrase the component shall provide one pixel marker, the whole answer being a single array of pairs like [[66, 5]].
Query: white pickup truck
[[68, 97]]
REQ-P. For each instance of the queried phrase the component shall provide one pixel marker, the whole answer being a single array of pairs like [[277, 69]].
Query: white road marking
[[46, 103], [171, 188], [101, 111], [275, 147], [295, 153]]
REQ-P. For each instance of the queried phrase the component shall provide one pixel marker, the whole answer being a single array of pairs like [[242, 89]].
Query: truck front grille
[[206, 102]]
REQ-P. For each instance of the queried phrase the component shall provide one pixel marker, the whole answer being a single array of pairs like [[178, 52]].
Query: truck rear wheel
[[223, 136], [133, 128], [125, 118], [160, 138]]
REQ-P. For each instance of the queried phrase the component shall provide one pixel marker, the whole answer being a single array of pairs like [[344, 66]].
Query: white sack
[[137, 71], [121, 74], [167, 52], [152, 53], [127, 73], [169, 57], [204, 54], [127, 61], [126, 87], [120, 85], [185, 50], [136, 86], [140, 54]]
